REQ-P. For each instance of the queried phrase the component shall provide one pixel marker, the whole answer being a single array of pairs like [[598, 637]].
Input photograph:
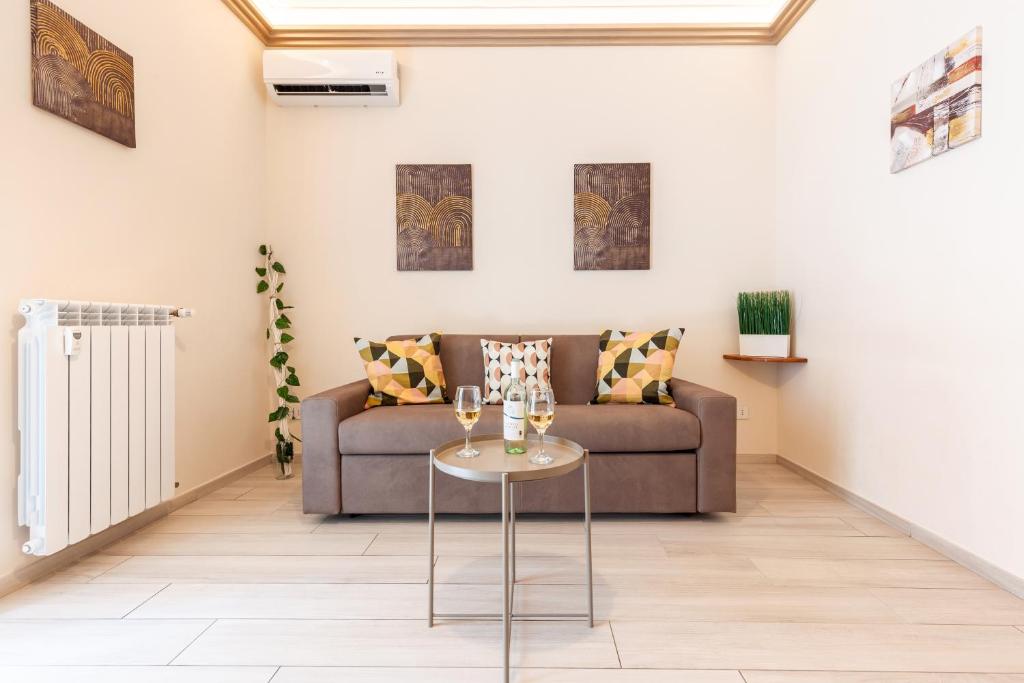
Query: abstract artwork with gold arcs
[[435, 216], [80, 75], [612, 216]]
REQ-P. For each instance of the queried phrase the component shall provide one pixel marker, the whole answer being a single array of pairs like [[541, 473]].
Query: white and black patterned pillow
[[498, 357]]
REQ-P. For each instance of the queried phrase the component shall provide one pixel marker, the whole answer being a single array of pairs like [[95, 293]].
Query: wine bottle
[[514, 409]]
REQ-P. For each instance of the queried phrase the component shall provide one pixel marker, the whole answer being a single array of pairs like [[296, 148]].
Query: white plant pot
[[769, 345]]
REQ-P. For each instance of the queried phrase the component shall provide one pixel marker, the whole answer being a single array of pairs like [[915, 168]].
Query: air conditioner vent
[[364, 89], [331, 78]]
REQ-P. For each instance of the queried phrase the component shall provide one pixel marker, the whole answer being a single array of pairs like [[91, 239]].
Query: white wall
[[175, 221], [909, 285], [703, 117]]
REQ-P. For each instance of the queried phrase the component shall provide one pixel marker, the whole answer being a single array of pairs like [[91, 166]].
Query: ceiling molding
[[508, 36], [251, 17], [788, 16]]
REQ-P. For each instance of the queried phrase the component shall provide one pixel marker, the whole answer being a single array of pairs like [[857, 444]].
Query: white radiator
[[96, 416]]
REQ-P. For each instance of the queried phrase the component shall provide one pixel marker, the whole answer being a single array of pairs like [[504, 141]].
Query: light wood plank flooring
[[241, 587]]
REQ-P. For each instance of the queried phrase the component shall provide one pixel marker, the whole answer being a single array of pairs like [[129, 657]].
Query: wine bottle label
[[515, 421]]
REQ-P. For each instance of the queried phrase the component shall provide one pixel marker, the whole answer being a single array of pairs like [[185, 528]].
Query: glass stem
[[541, 442], [468, 430]]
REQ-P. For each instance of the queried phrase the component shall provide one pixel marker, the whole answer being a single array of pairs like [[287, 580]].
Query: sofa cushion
[[635, 367], [461, 358], [498, 357], [610, 428], [573, 365], [403, 372], [410, 429], [623, 428]]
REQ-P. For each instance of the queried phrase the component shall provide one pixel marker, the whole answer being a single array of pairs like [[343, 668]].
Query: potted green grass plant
[[271, 282], [764, 323]]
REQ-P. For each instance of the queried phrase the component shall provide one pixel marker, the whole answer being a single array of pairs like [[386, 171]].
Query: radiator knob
[[32, 547]]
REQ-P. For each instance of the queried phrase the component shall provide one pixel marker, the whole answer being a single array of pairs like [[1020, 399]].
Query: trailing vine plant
[[271, 283]]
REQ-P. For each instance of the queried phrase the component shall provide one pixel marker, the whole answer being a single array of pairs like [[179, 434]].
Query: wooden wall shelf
[[763, 359]]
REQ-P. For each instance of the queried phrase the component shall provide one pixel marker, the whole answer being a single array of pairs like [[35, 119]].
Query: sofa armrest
[[716, 456], [321, 458]]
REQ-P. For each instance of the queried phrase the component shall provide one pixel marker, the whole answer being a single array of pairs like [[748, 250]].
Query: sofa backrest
[[573, 361]]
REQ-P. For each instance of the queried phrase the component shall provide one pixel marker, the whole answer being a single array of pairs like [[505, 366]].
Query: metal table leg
[[430, 524], [505, 607], [586, 525], [512, 535]]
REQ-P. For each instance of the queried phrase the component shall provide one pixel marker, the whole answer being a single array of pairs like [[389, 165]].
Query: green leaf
[[279, 359], [280, 286], [262, 287], [268, 333], [279, 414], [263, 250], [262, 272], [291, 398], [290, 369], [283, 392], [282, 323], [276, 265], [292, 380], [285, 338]]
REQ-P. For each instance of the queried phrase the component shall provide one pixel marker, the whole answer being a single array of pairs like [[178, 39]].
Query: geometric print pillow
[[403, 372], [498, 357], [635, 367]]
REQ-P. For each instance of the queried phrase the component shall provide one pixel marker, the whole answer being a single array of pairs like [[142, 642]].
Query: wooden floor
[[241, 587]]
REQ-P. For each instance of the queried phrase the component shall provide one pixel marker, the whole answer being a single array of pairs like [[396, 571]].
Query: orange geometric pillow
[[403, 372], [635, 367]]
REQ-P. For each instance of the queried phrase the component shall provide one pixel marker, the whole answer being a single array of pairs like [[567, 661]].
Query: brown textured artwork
[[81, 76], [612, 216], [435, 217]]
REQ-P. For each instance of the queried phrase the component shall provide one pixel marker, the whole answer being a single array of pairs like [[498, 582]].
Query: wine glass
[[467, 412], [540, 410]]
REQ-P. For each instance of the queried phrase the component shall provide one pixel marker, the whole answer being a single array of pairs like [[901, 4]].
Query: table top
[[493, 461]]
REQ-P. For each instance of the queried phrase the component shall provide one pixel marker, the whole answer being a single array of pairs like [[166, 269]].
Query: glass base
[[471, 453], [284, 470], [541, 459]]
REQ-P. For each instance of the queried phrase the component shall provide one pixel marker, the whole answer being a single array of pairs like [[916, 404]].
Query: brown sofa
[[644, 458]]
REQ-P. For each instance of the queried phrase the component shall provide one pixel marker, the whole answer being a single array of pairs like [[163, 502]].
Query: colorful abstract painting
[[435, 217], [81, 76], [937, 106], [612, 216]]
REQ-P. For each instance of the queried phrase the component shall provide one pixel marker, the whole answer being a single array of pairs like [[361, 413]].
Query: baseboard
[[755, 458], [962, 556], [59, 560]]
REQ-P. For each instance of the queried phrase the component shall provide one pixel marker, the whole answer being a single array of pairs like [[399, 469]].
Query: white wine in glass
[[467, 412], [540, 411]]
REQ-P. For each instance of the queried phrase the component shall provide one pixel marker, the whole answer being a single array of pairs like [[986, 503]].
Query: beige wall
[[702, 116], [909, 286], [175, 221]]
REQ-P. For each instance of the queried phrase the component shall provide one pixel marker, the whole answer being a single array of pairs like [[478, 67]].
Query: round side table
[[494, 466]]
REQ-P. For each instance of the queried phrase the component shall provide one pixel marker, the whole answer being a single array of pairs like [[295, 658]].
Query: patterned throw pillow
[[403, 372], [536, 357], [635, 367]]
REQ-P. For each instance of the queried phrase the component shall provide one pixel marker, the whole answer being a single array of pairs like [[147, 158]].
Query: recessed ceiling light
[[319, 13]]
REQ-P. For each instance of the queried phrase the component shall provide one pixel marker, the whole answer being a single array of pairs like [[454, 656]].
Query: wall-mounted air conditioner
[[331, 78]]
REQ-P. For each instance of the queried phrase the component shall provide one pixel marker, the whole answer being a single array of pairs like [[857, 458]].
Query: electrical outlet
[[742, 413]]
